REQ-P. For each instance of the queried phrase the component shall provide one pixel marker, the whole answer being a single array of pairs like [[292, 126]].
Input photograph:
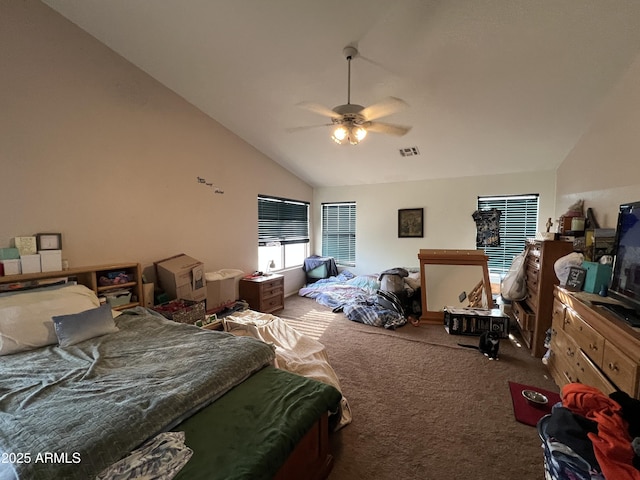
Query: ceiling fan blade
[[380, 127], [306, 127], [382, 109], [319, 109]]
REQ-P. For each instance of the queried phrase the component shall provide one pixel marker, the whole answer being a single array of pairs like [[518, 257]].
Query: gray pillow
[[76, 327]]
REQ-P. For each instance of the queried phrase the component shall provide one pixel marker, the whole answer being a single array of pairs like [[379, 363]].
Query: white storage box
[[51, 260], [222, 287], [11, 267], [30, 263]]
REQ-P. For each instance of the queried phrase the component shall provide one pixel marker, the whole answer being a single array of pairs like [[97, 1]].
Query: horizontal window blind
[[339, 232], [282, 220], [519, 221]]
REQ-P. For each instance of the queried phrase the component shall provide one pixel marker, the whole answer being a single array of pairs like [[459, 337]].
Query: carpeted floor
[[423, 407]]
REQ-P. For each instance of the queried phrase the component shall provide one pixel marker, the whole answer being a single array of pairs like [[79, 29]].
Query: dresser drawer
[[271, 304], [586, 337], [563, 346], [524, 316], [273, 290], [562, 360], [587, 372], [622, 370], [557, 314]]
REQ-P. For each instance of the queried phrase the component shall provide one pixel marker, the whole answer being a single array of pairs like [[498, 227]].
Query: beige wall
[[448, 205], [603, 169], [92, 147]]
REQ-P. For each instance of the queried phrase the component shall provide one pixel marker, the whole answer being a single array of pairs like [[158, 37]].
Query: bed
[[364, 298], [83, 394]]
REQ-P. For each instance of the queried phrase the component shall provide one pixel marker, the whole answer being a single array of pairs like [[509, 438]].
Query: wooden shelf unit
[[533, 314], [89, 277]]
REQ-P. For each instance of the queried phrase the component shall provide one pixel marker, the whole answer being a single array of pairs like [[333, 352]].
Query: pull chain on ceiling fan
[[352, 121]]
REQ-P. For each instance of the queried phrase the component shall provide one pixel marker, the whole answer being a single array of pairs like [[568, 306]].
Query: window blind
[[339, 232], [519, 221], [282, 220]]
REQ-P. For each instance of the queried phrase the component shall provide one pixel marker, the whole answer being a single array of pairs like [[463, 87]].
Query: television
[[625, 278]]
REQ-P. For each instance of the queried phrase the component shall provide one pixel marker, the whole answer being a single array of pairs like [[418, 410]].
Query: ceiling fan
[[352, 121]]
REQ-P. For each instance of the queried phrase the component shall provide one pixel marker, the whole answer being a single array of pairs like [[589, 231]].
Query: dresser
[[533, 314], [591, 346], [263, 294]]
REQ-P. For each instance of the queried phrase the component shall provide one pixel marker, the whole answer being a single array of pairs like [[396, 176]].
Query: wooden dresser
[[533, 314], [264, 294], [591, 346]]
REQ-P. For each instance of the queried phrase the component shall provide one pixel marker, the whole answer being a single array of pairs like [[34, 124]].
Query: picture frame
[[49, 241], [575, 279], [411, 223]]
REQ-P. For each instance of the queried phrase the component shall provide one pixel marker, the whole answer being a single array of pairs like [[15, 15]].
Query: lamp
[[270, 265], [348, 132]]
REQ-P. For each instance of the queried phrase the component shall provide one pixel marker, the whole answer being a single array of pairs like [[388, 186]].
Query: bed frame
[[311, 458]]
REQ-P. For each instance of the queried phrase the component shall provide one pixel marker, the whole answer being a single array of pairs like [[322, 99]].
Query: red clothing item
[[612, 443]]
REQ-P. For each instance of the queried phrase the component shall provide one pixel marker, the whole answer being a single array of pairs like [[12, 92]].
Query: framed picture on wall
[[411, 223]]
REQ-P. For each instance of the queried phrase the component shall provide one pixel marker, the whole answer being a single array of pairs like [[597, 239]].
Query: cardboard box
[[598, 275], [222, 287], [148, 294], [473, 321], [182, 277], [11, 267], [51, 260], [30, 263]]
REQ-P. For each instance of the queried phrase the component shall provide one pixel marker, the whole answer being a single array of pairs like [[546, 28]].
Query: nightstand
[[264, 294]]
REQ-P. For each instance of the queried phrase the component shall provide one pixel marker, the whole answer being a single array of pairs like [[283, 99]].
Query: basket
[[182, 311]]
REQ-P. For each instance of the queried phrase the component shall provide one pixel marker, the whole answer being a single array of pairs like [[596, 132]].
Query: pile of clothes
[[592, 436]]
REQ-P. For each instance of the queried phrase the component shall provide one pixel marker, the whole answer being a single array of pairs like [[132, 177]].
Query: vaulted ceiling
[[493, 86]]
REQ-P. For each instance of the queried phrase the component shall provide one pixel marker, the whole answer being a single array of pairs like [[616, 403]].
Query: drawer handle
[[613, 367], [593, 347]]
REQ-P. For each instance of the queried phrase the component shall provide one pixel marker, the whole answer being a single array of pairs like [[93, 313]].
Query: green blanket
[[250, 431]]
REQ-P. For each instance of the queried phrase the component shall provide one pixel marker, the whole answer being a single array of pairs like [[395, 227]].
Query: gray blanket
[[71, 412]]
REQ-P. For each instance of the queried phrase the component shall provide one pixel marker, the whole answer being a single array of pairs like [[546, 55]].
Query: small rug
[[523, 410]]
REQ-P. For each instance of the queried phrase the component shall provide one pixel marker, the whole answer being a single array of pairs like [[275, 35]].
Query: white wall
[[448, 205], [603, 169]]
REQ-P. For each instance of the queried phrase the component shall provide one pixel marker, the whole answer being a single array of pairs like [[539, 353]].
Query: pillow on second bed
[[26, 317], [76, 327]]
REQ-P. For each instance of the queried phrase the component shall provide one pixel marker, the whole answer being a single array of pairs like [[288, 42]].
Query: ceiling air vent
[[409, 151]]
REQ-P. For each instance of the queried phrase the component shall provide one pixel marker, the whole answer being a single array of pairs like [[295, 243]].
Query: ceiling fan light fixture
[[339, 134], [351, 134]]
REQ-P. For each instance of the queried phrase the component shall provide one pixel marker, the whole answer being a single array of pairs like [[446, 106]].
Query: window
[[519, 220], [339, 232], [283, 232]]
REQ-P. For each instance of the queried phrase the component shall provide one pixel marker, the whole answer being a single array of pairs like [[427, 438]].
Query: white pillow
[[25, 318]]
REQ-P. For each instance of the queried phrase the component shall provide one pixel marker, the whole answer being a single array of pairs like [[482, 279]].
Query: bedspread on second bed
[[96, 401], [254, 427]]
